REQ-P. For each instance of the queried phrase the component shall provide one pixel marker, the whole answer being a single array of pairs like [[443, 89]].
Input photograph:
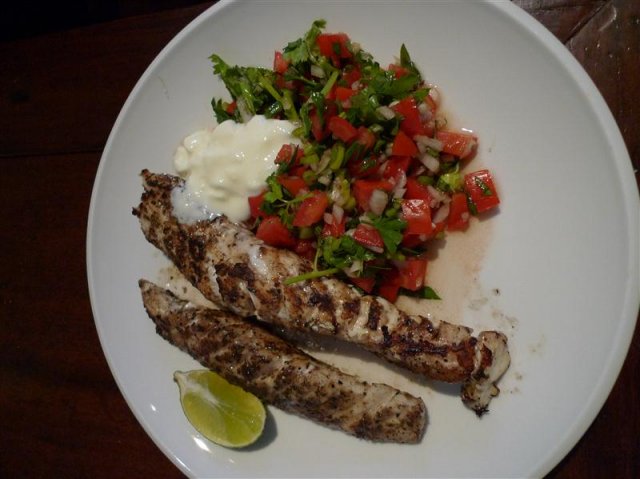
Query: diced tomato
[[343, 93], [369, 237], [411, 123], [416, 191], [305, 248], [390, 285], [396, 165], [458, 212], [298, 170], [366, 138], [399, 71], [335, 228], [362, 190], [456, 143], [360, 165], [480, 188], [342, 129], [280, 65], [285, 154], [311, 209], [411, 240], [417, 214], [366, 284], [255, 202], [317, 128], [231, 107], [274, 233], [412, 272], [403, 145], [334, 46], [351, 75], [431, 103], [293, 184]]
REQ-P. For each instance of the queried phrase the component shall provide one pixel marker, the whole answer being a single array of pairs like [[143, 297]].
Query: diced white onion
[[386, 112], [434, 93], [429, 142], [432, 163], [425, 112], [323, 163], [325, 179], [399, 188], [437, 195], [353, 270], [317, 71], [378, 201], [441, 213], [328, 218], [338, 212]]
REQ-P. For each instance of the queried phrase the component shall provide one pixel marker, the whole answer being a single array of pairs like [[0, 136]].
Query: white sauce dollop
[[224, 166]]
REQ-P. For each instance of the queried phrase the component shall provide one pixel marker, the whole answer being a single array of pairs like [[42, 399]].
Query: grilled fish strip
[[231, 267], [247, 355]]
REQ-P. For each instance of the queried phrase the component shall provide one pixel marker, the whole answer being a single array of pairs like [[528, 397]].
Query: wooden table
[[61, 414]]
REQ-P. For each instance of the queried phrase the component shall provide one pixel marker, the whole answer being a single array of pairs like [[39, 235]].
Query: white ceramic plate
[[563, 250]]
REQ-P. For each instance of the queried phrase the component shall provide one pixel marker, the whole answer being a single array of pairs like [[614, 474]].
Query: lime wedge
[[221, 412]]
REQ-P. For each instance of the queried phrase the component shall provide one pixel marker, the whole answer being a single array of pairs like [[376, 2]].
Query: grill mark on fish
[[249, 356], [326, 306]]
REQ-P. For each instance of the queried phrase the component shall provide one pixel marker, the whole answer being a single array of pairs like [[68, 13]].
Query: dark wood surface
[[61, 413]]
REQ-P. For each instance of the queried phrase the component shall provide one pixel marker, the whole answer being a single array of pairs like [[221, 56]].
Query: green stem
[[311, 275]]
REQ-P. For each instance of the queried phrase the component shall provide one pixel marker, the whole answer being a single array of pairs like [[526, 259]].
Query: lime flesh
[[221, 412]]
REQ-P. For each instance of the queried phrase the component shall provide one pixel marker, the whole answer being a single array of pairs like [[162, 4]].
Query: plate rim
[[615, 360]]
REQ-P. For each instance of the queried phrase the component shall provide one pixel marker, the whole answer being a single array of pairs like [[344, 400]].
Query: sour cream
[[224, 166]]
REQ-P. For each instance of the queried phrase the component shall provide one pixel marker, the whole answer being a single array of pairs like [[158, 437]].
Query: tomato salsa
[[378, 174]]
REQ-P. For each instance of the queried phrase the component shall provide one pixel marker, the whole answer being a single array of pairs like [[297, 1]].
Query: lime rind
[[220, 411]]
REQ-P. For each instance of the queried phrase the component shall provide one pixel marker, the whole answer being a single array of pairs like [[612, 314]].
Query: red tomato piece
[[317, 128], [480, 188], [365, 284], [411, 240], [311, 210], [412, 272], [334, 46], [335, 228], [399, 71], [255, 202], [306, 249], [396, 165], [343, 94], [416, 191], [366, 138], [390, 285], [342, 129], [231, 107], [351, 74], [403, 145], [411, 123], [363, 189], [280, 65], [417, 214], [285, 154], [456, 143], [293, 184], [274, 233], [458, 218], [369, 237]]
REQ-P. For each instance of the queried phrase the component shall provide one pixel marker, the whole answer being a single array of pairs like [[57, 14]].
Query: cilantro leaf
[[391, 231], [245, 84], [301, 50]]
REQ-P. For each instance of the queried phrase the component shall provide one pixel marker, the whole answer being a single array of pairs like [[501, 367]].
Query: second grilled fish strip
[[256, 360], [231, 267]]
